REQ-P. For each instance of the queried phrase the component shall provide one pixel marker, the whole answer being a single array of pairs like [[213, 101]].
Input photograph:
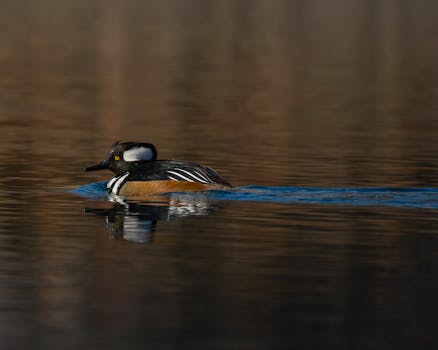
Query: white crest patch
[[138, 154]]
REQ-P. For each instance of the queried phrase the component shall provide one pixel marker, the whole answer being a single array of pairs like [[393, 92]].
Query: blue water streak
[[352, 196], [96, 190]]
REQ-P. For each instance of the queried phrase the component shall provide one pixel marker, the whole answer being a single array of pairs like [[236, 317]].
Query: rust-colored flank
[[142, 188]]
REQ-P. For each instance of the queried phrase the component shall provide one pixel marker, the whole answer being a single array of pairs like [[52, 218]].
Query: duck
[[139, 173]]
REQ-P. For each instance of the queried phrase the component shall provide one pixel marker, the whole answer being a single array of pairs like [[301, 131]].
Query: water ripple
[[353, 196], [377, 196]]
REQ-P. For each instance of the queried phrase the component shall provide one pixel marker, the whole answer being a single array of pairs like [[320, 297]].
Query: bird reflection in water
[[136, 221]]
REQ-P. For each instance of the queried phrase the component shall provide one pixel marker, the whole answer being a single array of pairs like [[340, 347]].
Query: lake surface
[[322, 114]]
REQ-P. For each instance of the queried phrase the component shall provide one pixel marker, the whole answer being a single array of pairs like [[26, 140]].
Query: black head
[[123, 155]]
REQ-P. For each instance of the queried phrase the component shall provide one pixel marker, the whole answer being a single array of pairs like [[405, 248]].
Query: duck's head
[[123, 155]]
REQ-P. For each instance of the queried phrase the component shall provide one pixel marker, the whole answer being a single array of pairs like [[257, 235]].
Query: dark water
[[322, 113]]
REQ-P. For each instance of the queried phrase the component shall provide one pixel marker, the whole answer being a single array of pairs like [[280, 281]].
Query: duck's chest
[[116, 183]]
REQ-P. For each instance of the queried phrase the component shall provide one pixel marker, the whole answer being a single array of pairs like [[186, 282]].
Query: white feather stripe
[[178, 175], [118, 183], [203, 176], [110, 183], [138, 154], [192, 175], [172, 178]]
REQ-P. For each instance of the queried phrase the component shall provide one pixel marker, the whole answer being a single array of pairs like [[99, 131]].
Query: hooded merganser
[[138, 172]]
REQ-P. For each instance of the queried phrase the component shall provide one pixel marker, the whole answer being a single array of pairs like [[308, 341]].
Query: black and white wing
[[193, 173]]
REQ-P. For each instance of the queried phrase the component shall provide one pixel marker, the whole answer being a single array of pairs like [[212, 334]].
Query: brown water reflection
[[337, 81], [276, 93]]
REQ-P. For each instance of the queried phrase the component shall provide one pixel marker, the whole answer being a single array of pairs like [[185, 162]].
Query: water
[[392, 197], [322, 114]]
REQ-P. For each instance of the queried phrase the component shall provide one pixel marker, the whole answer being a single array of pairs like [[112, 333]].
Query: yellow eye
[[116, 158]]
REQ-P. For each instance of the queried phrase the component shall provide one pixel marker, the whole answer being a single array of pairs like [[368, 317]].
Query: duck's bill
[[99, 166]]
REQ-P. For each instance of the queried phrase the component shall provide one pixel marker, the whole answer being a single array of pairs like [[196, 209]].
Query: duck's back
[[176, 171]]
